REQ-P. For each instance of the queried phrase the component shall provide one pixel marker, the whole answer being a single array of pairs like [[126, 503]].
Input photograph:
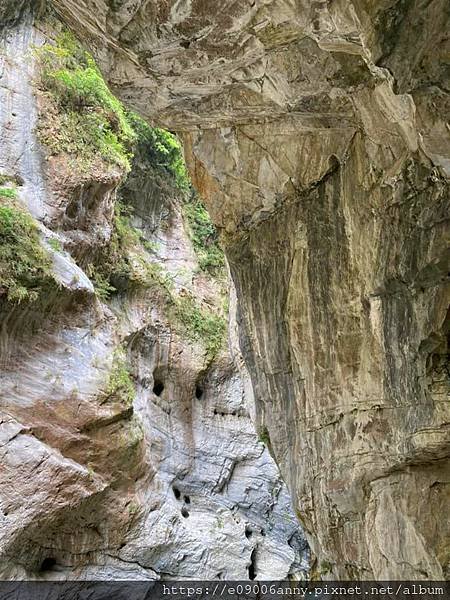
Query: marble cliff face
[[315, 132], [126, 451]]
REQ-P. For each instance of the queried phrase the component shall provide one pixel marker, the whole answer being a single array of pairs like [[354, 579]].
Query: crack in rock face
[[316, 134]]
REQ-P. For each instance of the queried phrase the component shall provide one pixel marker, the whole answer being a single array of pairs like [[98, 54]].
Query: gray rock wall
[[175, 485], [316, 131]]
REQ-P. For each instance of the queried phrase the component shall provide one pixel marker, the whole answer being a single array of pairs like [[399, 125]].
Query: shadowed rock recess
[[315, 132]]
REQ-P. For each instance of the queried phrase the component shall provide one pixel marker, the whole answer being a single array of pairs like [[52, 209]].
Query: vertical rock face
[[125, 452], [360, 320], [316, 132]]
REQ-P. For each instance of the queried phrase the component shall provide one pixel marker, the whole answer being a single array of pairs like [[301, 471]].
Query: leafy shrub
[[204, 236], [163, 150], [25, 267], [90, 120], [100, 281]]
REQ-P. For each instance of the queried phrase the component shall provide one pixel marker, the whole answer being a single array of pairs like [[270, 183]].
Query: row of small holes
[[158, 388]]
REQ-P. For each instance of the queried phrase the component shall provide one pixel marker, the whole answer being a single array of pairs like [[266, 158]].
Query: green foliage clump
[[101, 282], [90, 119], [8, 192], [204, 236], [264, 436], [201, 324], [55, 244], [126, 261], [120, 384], [163, 149], [25, 267]]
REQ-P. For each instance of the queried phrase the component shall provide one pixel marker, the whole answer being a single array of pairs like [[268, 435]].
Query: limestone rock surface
[[316, 132], [170, 483]]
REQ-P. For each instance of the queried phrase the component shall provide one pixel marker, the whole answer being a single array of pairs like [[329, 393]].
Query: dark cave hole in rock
[[248, 532], [47, 564], [185, 43], [252, 567], [72, 210], [187, 499], [158, 387], [184, 513], [198, 392], [176, 493]]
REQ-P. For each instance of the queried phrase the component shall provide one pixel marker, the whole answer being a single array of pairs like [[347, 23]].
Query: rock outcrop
[[316, 133], [126, 452]]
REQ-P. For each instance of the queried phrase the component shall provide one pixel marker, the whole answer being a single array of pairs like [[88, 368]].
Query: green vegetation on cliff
[[201, 324], [81, 118], [162, 149], [8, 192], [120, 385], [87, 119], [90, 120], [264, 437], [204, 236], [25, 267], [125, 262]]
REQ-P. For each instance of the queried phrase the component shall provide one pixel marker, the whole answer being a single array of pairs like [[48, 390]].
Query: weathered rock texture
[[174, 485], [316, 132]]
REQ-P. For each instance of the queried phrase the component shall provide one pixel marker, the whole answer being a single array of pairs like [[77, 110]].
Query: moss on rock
[[120, 385], [204, 236], [200, 324], [25, 266]]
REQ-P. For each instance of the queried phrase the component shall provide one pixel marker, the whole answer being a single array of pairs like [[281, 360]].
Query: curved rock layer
[[316, 133], [97, 481]]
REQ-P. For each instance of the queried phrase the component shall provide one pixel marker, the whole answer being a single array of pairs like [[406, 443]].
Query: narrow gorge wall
[[126, 447], [315, 131], [316, 134]]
